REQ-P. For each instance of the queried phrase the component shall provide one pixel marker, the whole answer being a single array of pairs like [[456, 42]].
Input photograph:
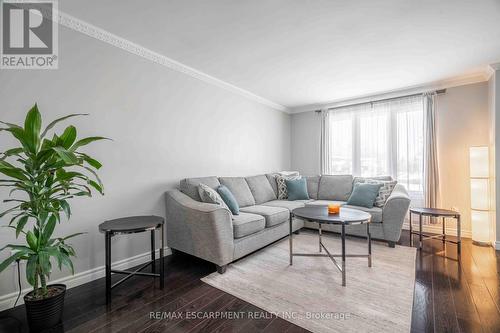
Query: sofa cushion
[[271, 177], [362, 179], [290, 205], [375, 212], [229, 199], [272, 215], [189, 186], [305, 201], [239, 188], [312, 186], [246, 224], [335, 187], [325, 202], [261, 189]]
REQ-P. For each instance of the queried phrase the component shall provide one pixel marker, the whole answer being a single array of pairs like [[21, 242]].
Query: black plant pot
[[45, 313]]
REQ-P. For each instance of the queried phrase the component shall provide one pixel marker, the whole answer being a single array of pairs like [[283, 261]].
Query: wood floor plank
[[423, 306], [295, 329], [169, 304], [123, 303], [190, 324], [445, 317], [229, 326], [92, 303], [122, 306], [136, 312], [450, 295], [210, 324], [261, 321], [465, 308], [486, 308], [486, 261], [277, 325], [195, 306]]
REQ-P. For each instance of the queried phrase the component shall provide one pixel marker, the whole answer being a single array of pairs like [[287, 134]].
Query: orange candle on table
[[333, 209]]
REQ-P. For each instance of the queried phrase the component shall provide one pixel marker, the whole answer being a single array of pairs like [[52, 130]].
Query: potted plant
[[43, 174]]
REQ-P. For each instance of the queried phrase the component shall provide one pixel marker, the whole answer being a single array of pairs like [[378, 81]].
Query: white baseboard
[[438, 229], [7, 301], [496, 245]]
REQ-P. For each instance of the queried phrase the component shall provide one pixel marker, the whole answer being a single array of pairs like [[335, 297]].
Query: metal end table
[[131, 225], [346, 217], [435, 212]]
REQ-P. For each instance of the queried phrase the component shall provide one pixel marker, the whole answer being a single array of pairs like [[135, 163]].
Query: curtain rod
[[438, 92]]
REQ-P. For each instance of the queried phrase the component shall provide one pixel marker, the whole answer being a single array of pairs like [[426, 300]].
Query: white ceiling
[[300, 52]]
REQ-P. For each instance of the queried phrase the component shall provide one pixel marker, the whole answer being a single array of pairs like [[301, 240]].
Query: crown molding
[[91, 30], [489, 72], [476, 77]]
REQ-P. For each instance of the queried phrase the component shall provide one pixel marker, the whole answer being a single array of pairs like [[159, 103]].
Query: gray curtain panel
[[431, 174]]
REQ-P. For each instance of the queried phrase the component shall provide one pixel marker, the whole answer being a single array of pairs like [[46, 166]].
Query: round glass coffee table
[[346, 217]]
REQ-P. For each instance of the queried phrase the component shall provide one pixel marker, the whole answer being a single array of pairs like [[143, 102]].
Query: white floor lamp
[[480, 195]]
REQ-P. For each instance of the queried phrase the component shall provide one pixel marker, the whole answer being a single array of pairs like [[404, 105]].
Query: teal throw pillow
[[229, 199], [364, 195], [297, 189]]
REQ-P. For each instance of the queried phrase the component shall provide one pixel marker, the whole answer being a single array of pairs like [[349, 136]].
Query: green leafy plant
[[44, 174]]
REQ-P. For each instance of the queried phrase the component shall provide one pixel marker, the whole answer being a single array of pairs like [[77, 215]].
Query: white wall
[[165, 126], [462, 121], [306, 133]]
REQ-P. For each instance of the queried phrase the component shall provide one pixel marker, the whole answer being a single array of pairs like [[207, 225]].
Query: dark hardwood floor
[[450, 296]]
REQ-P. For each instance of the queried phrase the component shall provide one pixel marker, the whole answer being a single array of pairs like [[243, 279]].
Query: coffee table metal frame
[[343, 255]]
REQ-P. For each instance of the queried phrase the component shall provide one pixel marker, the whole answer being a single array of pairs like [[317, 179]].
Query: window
[[380, 138]]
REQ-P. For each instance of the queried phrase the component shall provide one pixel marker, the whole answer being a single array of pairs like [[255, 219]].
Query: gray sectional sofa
[[207, 231]]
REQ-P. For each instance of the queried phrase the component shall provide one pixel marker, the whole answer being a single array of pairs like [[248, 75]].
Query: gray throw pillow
[[209, 195], [384, 192]]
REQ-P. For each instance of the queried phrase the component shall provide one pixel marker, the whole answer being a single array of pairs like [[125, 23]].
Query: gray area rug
[[309, 293]]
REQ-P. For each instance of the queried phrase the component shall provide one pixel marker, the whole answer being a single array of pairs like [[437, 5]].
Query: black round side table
[[131, 225], [435, 212]]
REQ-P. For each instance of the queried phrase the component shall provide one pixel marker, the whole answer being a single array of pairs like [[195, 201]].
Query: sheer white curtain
[[325, 163], [380, 138]]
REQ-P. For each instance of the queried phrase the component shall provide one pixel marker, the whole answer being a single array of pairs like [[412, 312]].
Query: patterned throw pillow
[[209, 195], [281, 182], [384, 192]]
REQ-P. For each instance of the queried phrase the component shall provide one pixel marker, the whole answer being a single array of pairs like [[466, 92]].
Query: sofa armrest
[[394, 213], [200, 229]]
